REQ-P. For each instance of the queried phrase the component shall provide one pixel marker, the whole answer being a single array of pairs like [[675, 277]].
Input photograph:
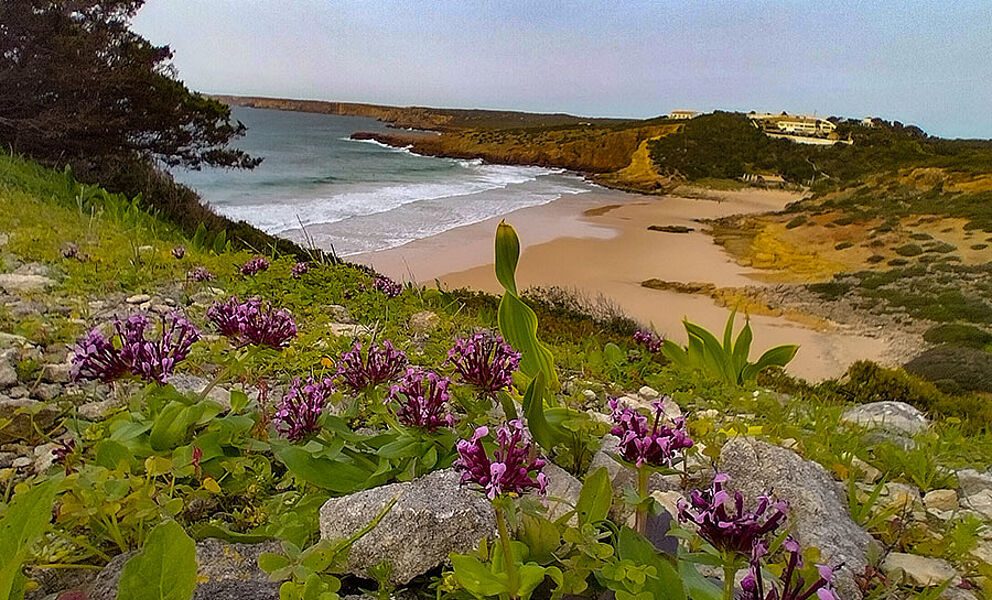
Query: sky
[[919, 62]]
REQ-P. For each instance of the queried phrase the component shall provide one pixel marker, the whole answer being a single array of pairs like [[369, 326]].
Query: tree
[[78, 87]]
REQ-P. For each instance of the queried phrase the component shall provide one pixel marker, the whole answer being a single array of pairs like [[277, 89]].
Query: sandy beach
[[599, 244]]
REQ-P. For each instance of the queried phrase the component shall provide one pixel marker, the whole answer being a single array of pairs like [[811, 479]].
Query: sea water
[[359, 196]]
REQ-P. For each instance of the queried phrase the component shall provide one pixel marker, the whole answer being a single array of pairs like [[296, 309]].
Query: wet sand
[[598, 243]]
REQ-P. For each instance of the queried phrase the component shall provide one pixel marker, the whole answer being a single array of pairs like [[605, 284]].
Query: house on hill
[[682, 115], [798, 128]]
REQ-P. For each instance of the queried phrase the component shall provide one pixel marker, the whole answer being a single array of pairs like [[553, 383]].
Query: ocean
[[361, 196]]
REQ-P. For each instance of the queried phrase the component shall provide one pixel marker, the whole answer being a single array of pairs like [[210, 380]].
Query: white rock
[[138, 299], [648, 393], [348, 330], [919, 571], [895, 417], [12, 282]]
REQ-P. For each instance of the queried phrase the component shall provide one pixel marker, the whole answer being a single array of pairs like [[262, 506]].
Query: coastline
[[599, 245]]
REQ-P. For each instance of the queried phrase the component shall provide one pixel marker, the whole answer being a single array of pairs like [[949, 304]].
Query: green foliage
[[27, 517], [165, 569], [909, 250], [968, 368], [727, 361], [958, 334], [517, 321]]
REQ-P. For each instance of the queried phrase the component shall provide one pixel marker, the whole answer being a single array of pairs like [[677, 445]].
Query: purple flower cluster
[[179, 252], [423, 397], [252, 322], [199, 274], [649, 339], [737, 531], [298, 414], [793, 585], [657, 446], [96, 357], [387, 286], [255, 266], [510, 469], [379, 365], [300, 269], [485, 361]]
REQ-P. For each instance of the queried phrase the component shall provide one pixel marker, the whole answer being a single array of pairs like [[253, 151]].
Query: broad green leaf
[[165, 569], [635, 547], [529, 576], [613, 355], [541, 537], [742, 348], [27, 517], [545, 434], [110, 454], [220, 242], [778, 356], [675, 353], [517, 321], [728, 333], [172, 424], [595, 498], [475, 577], [340, 476], [698, 587]]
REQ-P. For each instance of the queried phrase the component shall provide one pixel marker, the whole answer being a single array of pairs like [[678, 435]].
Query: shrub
[[979, 246], [970, 368], [874, 259], [921, 236], [843, 245], [796, 222], [958, 334], [898, 262], [830, 290], [909, 250]]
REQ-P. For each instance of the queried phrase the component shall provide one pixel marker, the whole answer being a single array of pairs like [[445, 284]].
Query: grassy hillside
[[106, 257]]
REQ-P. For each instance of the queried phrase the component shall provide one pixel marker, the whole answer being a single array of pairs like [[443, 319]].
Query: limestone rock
[[424, 321], [138, 299], [20, 411], [895, 417], [563, 490], [976, 491], [899, 495], [221, 567], [340, 313], [941, 500], [8, 372], [818, 514], [433, 516], [191, 384], [13, 283], [350, 330], [919, 571]]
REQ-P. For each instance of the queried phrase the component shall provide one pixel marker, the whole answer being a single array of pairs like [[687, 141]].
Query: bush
[[958, 334], [796, 222], [869, 382], [921, 236], [909, 250], [830, 290], [843, 245], [874, 259], [970, 368]]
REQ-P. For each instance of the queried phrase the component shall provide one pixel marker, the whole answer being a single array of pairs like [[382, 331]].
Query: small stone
[[648, 393], [19, 411], [899, 495], [8, 373], [57, 373], [161, 309], [868, 473], [941, 500], [13, 283], [349, 330], [185, 383], [18, 391], [20, 462], [971, 481], [96, 411], [919, 571], [422, 322], [138, 299], [43, 457], [589, 395], [48, 391], [895, 417], [979, 502], [563, 491]]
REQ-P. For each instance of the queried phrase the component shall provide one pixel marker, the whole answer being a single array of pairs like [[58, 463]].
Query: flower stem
[[504, 541], [641, 513], [729, 572]]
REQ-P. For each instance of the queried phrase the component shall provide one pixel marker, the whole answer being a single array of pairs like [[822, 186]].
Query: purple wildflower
[[97, 357], [387, 286], [255, 266], [793, 585], [423, 397], [649, 339], [63, 453], [379, 365], [252, 322], [199, 274], [485, 361], [300, 269], [298, 415], [657, 446], [509, 470], [179, 252], [738, 531]]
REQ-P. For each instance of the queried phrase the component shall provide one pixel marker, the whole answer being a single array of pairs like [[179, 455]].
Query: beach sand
[[598, 244]]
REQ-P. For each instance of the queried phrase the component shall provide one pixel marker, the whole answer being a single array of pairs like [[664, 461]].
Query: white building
[[683, 114]]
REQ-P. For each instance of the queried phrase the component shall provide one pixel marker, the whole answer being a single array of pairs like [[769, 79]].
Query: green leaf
[[698, 587], [634, 547], [172, 424], [742, 349], [475, 577], [530, 576], [517, 321], [545, 434], [778, 356], [165, 569], [27, 517], [340, 476], [728, 333], [613, 355], [595, 498], [220, 242], [541, 537], [110, 454]]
